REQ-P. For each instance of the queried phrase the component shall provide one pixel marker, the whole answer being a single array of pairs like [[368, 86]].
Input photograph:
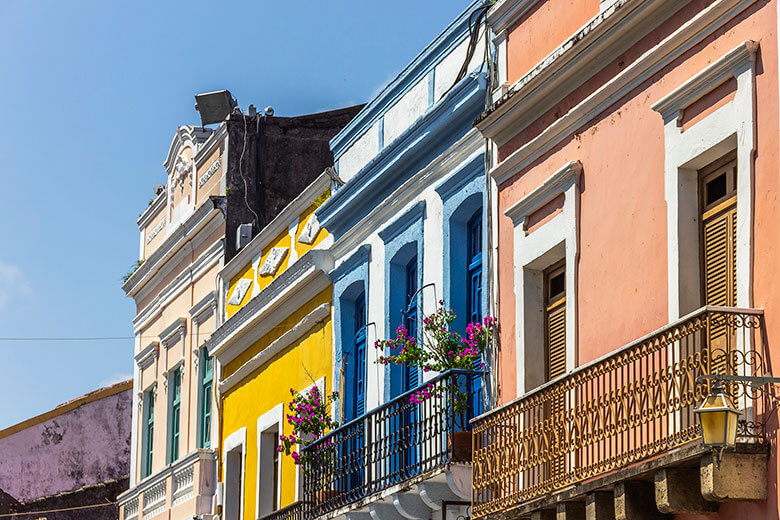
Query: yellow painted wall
[[282, 240], [298, 366]]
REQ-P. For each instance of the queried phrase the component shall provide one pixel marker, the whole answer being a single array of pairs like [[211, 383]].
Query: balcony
[[623, 421], [292, 512], [186, 485], [401, 460]]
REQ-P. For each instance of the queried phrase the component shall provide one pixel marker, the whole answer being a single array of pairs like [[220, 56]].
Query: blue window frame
[[474, 296], [359, 356]]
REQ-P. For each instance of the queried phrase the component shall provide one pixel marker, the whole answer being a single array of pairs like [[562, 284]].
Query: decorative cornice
[[430, 56], [359, 257], [279, 224], [183, 135], [673, 46], [205, 307], [287, 292], [505, 12], [173, 332], [736, 60], [145, 357], [557, 183], [413, 214], [396, 162], [587, 51], [204, 262], [214, 140], [153, 209], [463, 151], [204, 214], [465, 174], [296, 332]]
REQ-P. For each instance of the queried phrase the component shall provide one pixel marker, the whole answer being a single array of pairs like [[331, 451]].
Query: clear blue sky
[[90, 94]]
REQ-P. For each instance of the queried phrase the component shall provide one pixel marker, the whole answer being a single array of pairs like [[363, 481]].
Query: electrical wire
[[243, 178], [91, 506]]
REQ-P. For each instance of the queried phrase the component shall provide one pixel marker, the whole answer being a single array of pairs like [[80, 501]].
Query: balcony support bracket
[[600, 505], [741, 477], [678, 491], [571, 511], [635, 500]]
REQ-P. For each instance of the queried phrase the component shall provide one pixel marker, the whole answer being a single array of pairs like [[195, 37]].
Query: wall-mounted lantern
[[718, 419]]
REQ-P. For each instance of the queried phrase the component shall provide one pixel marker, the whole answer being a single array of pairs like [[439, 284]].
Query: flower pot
[[459, 445], [326, 495]]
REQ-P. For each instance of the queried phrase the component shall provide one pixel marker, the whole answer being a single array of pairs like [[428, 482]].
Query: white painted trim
[[505, 12], [148, 355], [235, 440], [288, 338], [152, 210], [191, 458], [532, 248], [271, 418], [672, 47], [730, 127]]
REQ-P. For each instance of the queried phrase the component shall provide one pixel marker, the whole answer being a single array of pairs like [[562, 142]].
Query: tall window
[[474, 268], [174, 389], [555, 321], [718, 232], [410, 319], [206, 389], [360, 356], [148, 433], [474, 296]]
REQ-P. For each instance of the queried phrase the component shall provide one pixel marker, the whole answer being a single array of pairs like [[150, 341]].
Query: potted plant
[[310, 419], [439, 349]]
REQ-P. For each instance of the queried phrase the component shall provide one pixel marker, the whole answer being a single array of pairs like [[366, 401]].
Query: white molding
[[271, 418], [460, 153], [672, 105], [172, 334], [505, 12], [204, 308], [205, 262], [551, 187], [273, 261], [730, 127], [148, 355], [155, 478], [296, 332], [235, 440], [532, 253], [198, 226], [152, 210], [652, 61], [208, 147], [285, 294], [185, 135]]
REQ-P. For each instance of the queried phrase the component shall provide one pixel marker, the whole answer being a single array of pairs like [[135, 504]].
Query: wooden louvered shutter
[[555, 322], [719, 251]]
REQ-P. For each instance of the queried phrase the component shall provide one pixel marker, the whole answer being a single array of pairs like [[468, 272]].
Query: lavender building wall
[[80, 443]]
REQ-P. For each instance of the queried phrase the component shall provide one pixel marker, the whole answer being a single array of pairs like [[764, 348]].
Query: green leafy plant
[[439, 350], [319, 201], [133, 268], [310, 419]]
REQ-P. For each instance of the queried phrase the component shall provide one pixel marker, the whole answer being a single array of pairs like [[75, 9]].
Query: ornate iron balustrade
[[635, 403], [292, 512], [414, 433]]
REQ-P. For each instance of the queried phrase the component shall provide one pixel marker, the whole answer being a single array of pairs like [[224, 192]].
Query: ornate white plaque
[[273, 260], [310, 230], [239, 292]]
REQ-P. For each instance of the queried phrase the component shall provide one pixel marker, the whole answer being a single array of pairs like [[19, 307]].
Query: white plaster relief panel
[[406, 111], [239, 292], [360, 153], [310, 230], [448, 68], [273, 261]]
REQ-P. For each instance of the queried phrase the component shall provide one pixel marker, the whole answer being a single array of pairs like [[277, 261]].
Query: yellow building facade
[[276, 336]]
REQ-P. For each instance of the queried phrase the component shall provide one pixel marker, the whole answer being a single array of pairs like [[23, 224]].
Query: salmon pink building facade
[[635, 174]]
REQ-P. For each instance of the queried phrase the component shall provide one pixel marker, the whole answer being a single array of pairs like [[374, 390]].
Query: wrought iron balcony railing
[[415, 433], [635, 403], [292, 512]]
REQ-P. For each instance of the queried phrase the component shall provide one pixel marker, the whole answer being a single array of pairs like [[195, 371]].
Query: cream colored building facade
[[173, 465]]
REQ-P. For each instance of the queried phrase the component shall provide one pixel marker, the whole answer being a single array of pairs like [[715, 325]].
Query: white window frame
[[273, 417], [730, 127], [233, 441], [533, 252]]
